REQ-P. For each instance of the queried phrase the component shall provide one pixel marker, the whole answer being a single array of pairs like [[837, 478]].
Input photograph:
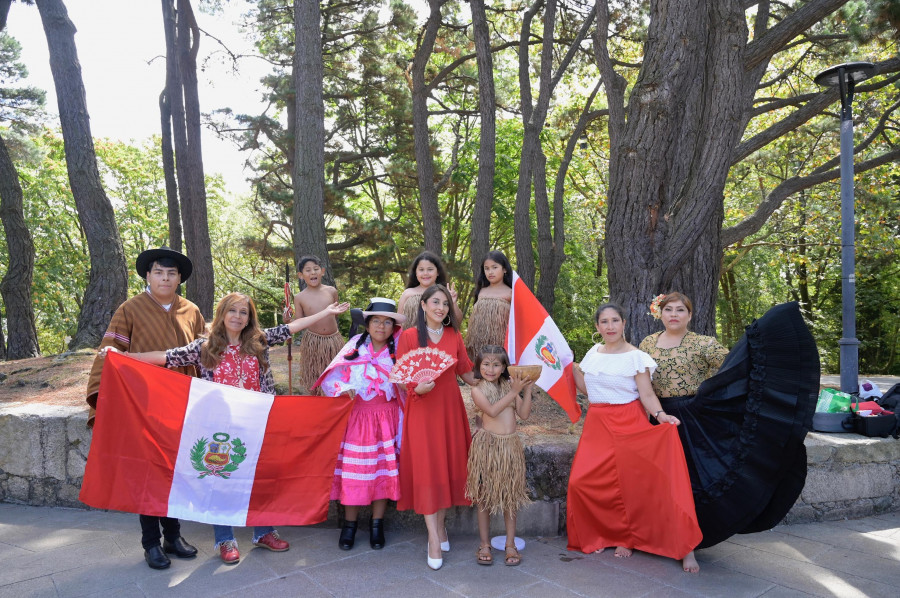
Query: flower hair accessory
[[654, 306]]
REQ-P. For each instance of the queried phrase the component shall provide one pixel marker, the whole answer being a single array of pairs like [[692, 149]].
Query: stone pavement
[[53, 551]]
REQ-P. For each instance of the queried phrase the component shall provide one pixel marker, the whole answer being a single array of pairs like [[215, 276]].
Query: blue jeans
[[223, 533]]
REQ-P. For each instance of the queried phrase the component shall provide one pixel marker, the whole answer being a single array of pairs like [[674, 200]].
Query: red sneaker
[[272, 542], [228, 550]]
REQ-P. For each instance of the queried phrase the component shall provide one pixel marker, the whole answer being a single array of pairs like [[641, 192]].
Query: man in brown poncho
[[155, 320]]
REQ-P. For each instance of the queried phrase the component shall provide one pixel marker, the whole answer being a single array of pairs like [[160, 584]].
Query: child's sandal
[[484, 555], [513, 558]]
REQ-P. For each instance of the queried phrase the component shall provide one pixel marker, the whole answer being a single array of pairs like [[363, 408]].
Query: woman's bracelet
[[656, 415]]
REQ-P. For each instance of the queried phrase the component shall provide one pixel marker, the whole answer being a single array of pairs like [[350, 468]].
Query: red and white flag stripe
[[169, 445], [533, 338]]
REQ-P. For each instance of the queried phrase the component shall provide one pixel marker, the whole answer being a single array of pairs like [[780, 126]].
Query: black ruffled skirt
[[743, 431]]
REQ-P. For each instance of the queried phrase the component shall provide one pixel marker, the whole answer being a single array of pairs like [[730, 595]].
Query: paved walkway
[[67, 552]]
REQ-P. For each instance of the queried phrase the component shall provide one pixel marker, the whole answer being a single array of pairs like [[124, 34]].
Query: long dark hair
[[442, 278], [421, 324], [365, 336], [481, 280], [492, 350]]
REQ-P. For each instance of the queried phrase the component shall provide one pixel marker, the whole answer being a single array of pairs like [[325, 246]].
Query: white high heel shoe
[[445, 545], [435, 564]]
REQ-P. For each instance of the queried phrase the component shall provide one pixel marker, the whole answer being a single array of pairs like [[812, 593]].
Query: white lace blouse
[[609, 377]]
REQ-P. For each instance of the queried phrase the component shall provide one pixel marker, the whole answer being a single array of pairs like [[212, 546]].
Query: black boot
[[348, 535], [376, 534]]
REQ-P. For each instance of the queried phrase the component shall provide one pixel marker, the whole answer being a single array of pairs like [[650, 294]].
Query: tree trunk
[[670, 158], [107, 285], [189, 161], [428, 194], [308, 171], [16, 285], [165, 113], [484, 190], [533, 162]]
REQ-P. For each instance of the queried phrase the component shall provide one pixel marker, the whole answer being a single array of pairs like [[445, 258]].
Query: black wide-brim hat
[[146, 258], [378, 306]]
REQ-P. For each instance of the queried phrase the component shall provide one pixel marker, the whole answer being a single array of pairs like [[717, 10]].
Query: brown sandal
[[484, 555], [513, 558]]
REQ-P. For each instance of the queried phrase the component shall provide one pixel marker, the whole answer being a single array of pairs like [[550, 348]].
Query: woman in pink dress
[[366, 471]]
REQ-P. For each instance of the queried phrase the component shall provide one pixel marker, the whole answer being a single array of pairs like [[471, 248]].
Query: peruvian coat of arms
[[547, 352], [219, 457]]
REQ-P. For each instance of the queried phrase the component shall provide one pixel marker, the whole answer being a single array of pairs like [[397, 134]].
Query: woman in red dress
[[435, 444], [629, 485]]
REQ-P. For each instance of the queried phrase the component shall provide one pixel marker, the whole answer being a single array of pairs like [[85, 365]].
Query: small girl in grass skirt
[[496, 480]]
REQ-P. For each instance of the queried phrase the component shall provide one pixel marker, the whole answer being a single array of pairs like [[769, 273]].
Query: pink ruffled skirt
[[366, 468]]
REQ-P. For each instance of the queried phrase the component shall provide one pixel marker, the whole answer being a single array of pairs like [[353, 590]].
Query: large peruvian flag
[[170, 445], [532, 338]]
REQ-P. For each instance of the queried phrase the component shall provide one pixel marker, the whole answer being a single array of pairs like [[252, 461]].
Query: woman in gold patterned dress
[[744, 413]]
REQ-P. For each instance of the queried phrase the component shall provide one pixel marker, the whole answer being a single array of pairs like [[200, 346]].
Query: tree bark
[[107, 285], [670, 157], [532, 164], [428, 193], [484, 190], [165, 113], [185, 103], [309, 127], [16, 285]]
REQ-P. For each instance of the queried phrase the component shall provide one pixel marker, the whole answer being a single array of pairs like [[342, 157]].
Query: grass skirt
[[316, 352], [496, 480], [487, 324], [411, 311]]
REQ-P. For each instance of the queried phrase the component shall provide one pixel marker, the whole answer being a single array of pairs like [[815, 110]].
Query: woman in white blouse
[[629, 486]]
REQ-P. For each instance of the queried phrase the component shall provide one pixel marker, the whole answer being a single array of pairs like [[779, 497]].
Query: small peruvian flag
[[170, 445], [532, 338]]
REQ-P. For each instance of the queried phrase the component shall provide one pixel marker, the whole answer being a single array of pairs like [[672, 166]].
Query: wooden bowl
[[530, 372]]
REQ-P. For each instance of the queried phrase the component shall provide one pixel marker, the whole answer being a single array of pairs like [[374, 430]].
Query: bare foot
[[690, 564], [622, 552]]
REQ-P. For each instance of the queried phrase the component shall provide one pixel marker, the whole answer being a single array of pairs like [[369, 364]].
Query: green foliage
[[20, 107]]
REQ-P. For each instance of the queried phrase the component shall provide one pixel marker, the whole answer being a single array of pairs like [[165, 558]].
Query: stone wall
[[43, 450]]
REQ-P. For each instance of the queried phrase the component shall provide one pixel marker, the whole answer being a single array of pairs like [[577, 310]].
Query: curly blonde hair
[[253, 339]]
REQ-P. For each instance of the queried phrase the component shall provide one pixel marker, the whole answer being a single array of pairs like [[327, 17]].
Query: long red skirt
[[629, 486]]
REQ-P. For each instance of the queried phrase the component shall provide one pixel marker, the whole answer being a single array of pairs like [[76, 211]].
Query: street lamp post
[[845, 76]]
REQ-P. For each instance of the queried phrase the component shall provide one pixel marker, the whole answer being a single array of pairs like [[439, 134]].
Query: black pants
[[150, 535]]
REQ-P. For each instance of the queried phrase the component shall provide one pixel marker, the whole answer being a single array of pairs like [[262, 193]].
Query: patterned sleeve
[[713, 353], [184, 356], [277, 335]]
